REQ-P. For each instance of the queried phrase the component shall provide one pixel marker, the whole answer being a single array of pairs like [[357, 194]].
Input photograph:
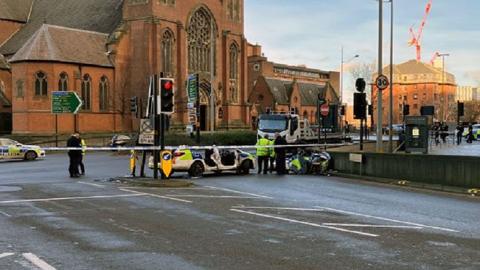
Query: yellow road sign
[[166, 162]]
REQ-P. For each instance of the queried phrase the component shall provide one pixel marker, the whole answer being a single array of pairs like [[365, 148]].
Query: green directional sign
[[192, 88], [65, 102]]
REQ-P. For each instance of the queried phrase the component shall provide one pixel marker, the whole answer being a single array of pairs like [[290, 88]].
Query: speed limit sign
[[382, 82]]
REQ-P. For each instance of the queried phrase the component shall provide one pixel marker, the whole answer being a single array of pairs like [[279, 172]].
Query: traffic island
[[149, 182]]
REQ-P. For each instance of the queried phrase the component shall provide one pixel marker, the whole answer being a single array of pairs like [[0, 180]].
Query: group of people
[[76, 167], [460, 130], [268, 154], [440, 131]]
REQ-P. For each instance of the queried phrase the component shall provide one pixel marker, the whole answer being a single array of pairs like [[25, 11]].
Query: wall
[[443, 170]]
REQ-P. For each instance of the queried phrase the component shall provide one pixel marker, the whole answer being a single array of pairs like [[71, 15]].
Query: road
[[49, 221]]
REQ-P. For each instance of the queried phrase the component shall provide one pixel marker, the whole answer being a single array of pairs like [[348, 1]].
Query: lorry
[[289, 126]]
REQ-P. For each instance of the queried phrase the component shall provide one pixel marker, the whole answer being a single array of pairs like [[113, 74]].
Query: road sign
[[147, 133], [166, 162], [382, 82], [324, 109], [65, 102], [192, 89]]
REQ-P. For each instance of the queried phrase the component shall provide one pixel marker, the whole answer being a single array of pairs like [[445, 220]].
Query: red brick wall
[[6, 79]]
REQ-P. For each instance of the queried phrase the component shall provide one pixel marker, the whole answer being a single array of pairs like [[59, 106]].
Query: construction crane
[[434, 57], [416, 38]]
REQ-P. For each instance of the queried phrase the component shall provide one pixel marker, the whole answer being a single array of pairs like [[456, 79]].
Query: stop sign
[[324, 109]]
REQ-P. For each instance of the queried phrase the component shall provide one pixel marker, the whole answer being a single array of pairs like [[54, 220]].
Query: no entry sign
[[324, 109]]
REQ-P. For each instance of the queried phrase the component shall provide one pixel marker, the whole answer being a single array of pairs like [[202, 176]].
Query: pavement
[[49, 221]]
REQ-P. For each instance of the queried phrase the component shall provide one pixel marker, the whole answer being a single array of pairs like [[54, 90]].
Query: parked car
[[475, 131], [195, 163], [120, 140], [396, 128], [10, 149]]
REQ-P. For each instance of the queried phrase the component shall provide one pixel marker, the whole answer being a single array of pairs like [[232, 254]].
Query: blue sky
[[312, 32]]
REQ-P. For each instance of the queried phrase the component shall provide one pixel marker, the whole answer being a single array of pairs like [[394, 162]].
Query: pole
[[390, 117], [56, 130], [379, 95], [156, 127], [212, 78], [341, 92], [443, 88], [198, 107], [361, 134], [319, 134], [324, 133]]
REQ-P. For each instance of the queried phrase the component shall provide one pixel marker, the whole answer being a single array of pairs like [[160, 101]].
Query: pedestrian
[[280, 154], [80, 163], [444, 134], [470, 134], [436, 129], [262, 154], [271, 152], [459, 133], [74, 155]]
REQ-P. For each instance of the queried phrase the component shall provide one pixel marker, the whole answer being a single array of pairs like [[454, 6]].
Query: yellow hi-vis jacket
[[84, 145], [272, 150], [262, 151]]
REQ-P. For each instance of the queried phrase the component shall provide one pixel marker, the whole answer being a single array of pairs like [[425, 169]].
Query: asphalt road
[[49, 221]]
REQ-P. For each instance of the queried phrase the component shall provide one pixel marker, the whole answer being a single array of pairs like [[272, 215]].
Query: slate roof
[[3, 63], [280, 89], [15, 10], [93, 15], [4, 101], [61, 44], [309, 93]]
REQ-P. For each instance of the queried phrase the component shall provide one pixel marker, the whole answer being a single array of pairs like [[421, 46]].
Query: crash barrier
[[460, 171], [152, 148]]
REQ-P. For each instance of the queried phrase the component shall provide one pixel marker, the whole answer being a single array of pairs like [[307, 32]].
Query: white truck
[[289, 126]]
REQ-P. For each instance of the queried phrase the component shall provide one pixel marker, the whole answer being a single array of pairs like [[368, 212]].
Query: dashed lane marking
[[240, 192], [212, 196], [6, 254], [373, 226], [304, 223], [38, 262], [5, 214], [280, 208], [91, 184], [154, 195], [72, 198], [387, 219]]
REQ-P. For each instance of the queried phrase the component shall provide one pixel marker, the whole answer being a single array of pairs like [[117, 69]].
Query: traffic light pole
[[156, 126], [198, 108]]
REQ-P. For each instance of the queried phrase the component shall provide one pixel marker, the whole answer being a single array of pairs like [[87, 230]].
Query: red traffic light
[[168, 85]]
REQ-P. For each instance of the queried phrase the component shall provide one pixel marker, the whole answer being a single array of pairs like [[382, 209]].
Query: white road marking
[[5, 214], [6, 254], [38, 262], [240, 192], [154, 195], [280, 208], [387, 219], [304, 223], [72, 198], [212, 196], [373, 226], [91, 184]]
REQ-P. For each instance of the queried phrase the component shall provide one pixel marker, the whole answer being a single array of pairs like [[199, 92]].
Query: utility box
[[416, 134]]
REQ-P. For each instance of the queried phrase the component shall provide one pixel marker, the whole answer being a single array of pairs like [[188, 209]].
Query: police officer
[[263, 154], [74, 155], [280, 154], [84, 146], [271, 151]]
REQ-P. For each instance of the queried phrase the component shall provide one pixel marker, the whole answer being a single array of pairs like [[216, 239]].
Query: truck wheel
[[30, 155], [244, 168], [196, 170]]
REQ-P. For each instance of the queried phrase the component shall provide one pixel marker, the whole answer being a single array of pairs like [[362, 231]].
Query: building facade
[[279, 87], [466, 93], [418, 84], [107, 50]]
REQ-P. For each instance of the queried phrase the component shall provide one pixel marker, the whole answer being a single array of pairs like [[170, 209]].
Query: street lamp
[[443, 84], [390, 117], [341, 80], [379, 145]]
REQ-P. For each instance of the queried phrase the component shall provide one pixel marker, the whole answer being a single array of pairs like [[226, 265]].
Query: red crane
[[416, 38], [434, 57]]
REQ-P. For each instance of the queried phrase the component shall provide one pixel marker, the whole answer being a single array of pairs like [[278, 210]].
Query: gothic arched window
[[63, 82], [86, 92], [233, 10], [41, 84], [167, 52], [201, 31], [103, 94], [234, 72]]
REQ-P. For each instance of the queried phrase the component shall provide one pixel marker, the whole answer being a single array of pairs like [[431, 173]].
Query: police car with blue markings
[[10, 149]]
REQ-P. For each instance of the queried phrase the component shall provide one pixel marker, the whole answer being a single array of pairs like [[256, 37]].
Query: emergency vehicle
[[10, 149]]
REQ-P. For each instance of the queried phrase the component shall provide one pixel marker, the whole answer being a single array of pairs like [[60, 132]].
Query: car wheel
[[30, 155], [244, 168], [196, 170]]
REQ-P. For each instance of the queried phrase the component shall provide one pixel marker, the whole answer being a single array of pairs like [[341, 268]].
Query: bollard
[[133, 162]]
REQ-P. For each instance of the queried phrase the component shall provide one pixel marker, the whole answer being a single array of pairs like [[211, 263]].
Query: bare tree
[[472, 111], [363, 70]]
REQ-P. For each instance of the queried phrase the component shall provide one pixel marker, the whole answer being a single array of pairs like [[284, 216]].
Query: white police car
[[10, 149]]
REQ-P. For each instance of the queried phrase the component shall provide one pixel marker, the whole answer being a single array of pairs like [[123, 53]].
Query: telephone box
[[416, 134]]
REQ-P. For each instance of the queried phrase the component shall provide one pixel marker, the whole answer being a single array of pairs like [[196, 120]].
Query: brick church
[[106, 50]]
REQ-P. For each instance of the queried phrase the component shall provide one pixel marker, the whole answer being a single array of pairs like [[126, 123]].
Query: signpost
[[194, 103], [324, 110], [382, 82], [65, 102], [166, 163], [147, 133]]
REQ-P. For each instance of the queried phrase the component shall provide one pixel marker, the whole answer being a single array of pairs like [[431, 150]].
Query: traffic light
[[461, 109], [167, 92], [342, 110], [360, 85], [406, 109], [359, 105], [134, 104], [370, 109]]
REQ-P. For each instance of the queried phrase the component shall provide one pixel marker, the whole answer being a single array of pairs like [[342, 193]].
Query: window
[[234, 72], [200, 40], [103, 94], [405, 98], [63, 82], [415, 96], [41, 84], [20, 87], [233, 10], [415, 106], [168, 2], [167, 52], [86, 91], [435, 97]]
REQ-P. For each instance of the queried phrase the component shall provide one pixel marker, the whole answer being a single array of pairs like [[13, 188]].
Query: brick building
[[106, 50], [282, 87], [418, 84]]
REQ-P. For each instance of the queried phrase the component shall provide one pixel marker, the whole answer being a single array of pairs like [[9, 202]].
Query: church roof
[[309, 93], [280, 89], [3, 63], [61, 44], [92, 15], [15, 10]]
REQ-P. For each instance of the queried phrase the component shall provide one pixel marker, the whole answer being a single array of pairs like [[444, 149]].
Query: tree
[[363, 70], [472, 111]]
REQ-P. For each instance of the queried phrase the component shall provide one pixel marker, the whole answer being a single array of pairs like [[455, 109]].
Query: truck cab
[[289, 126]]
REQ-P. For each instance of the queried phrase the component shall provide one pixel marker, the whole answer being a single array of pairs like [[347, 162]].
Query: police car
[[10, 149]]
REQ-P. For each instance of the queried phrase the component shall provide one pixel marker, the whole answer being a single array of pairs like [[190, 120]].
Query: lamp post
[[443, 84], [341, 80], [379, 145], [390, 116]]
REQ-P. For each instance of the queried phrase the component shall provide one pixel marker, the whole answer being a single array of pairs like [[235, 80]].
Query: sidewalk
[[464, 149]]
